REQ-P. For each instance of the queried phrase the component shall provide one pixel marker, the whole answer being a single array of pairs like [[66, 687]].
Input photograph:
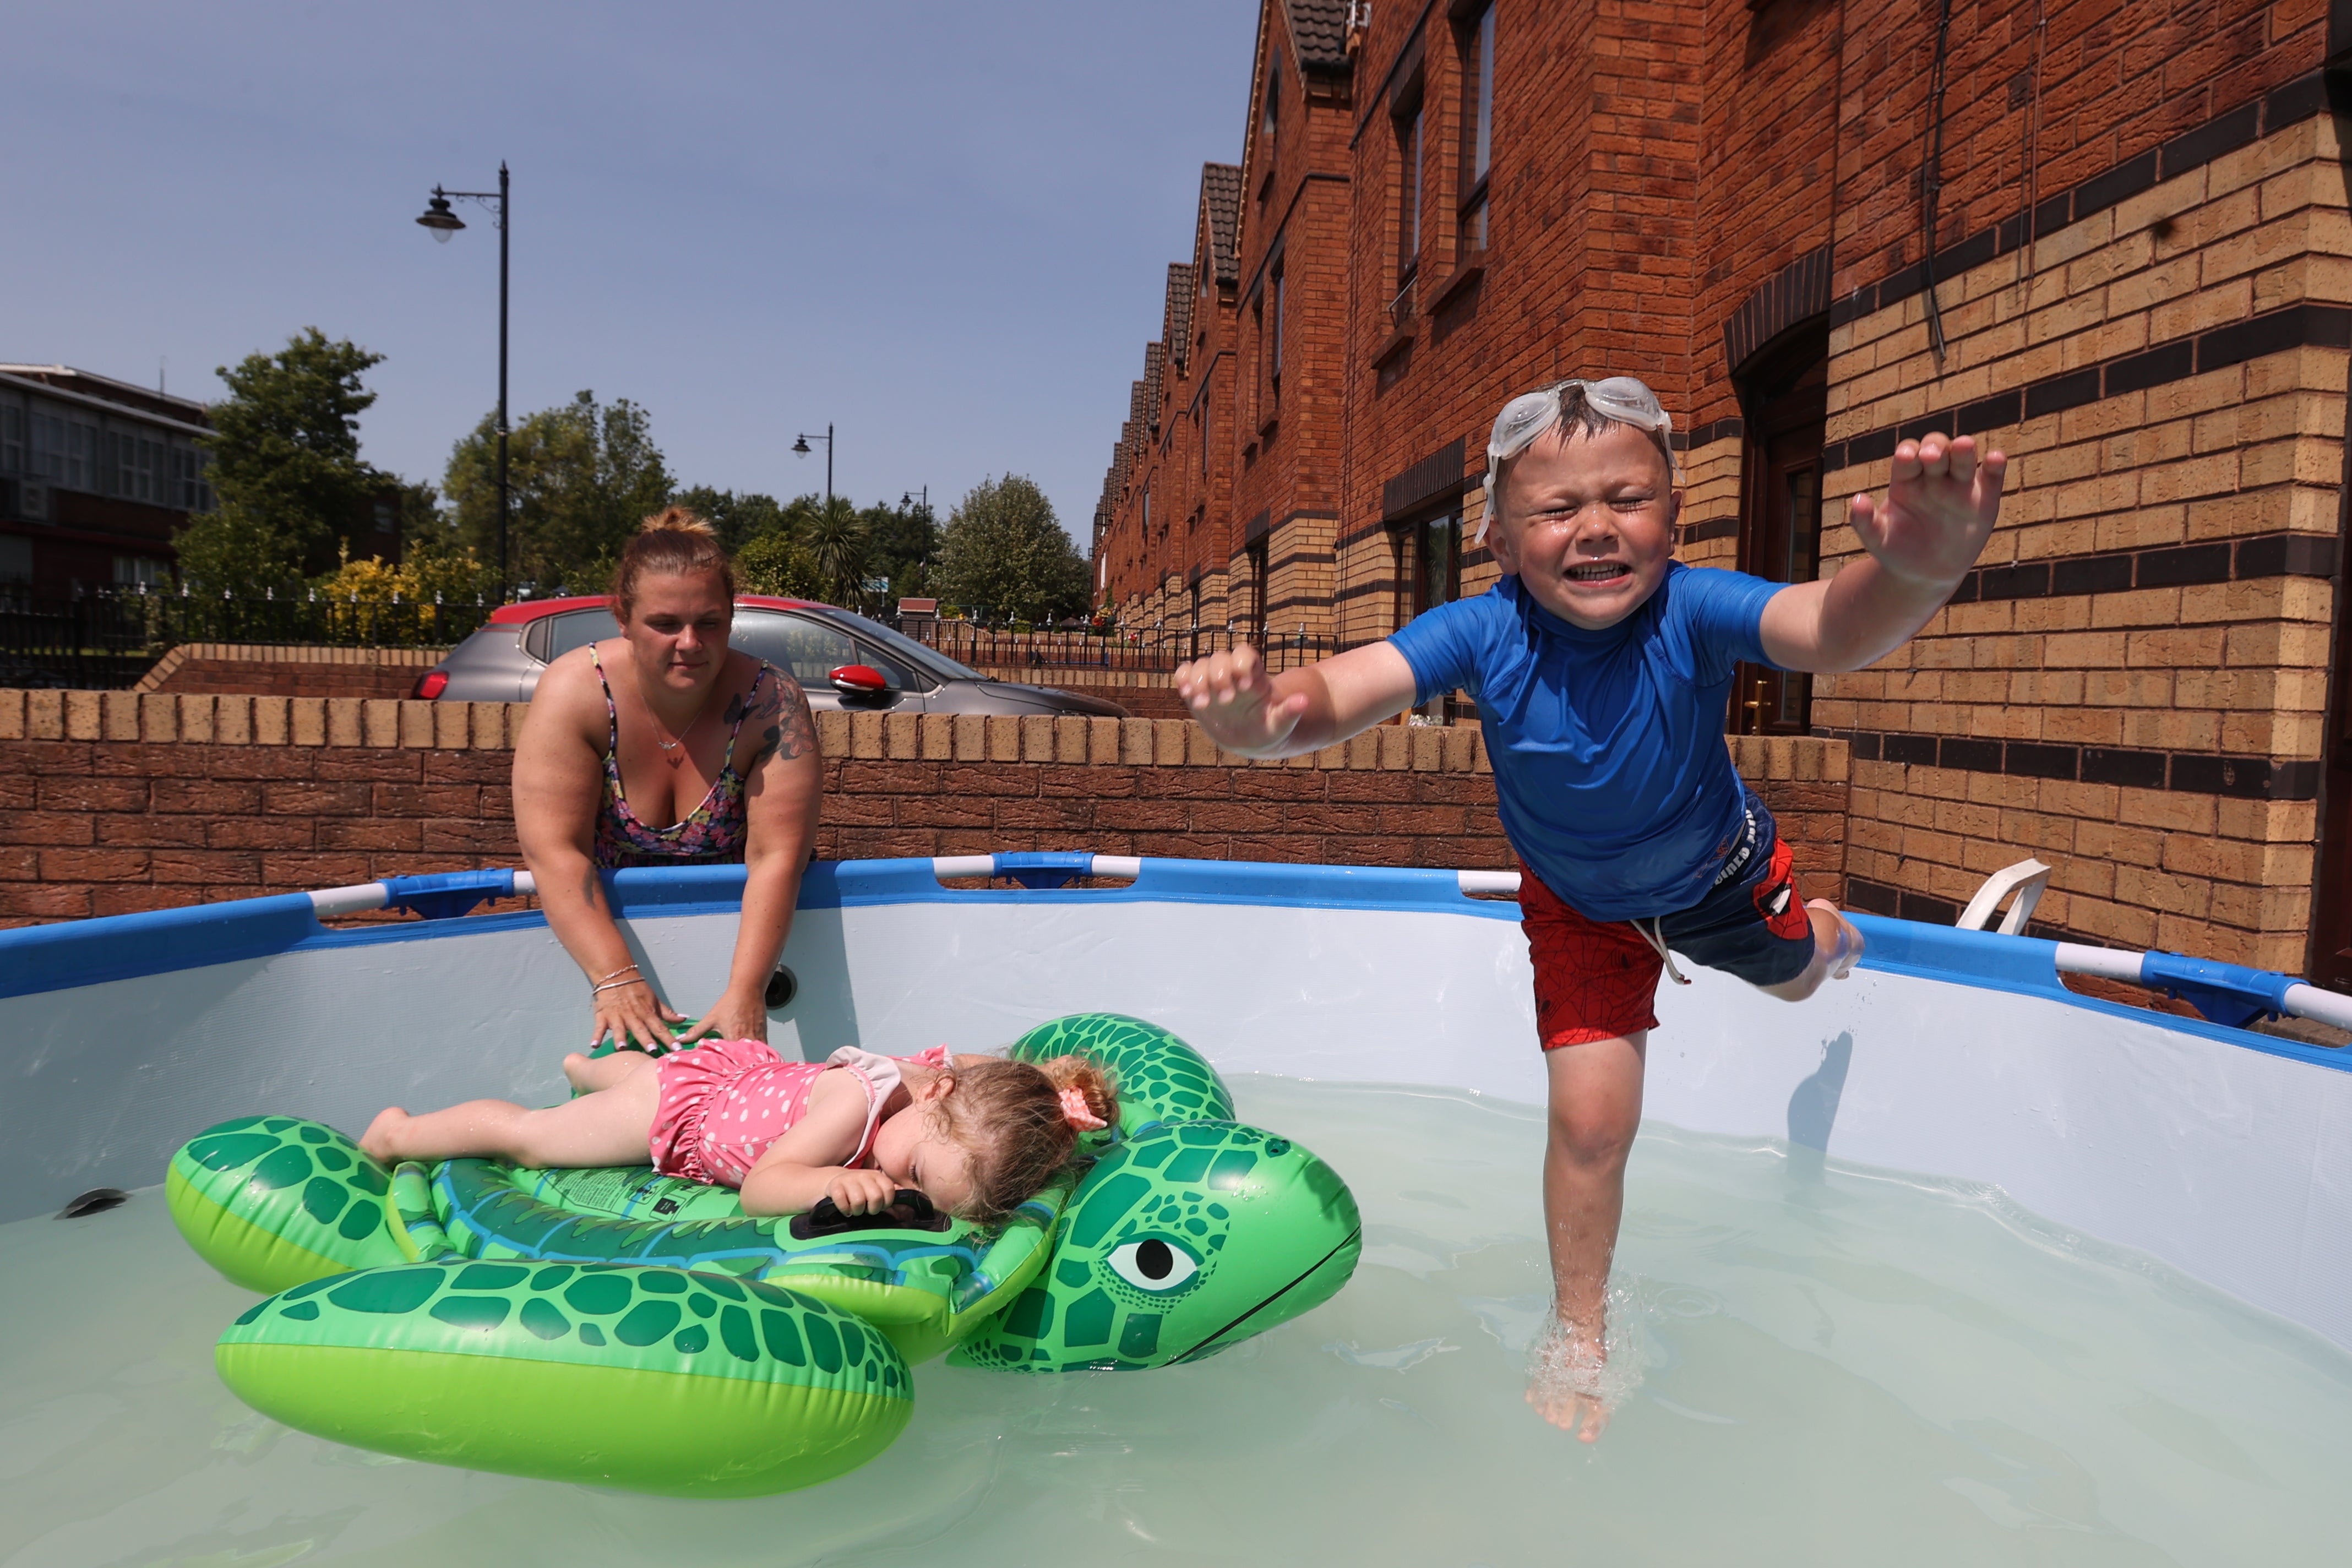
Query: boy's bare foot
[[1848, 950], [1564, 1371], [379, 1140]]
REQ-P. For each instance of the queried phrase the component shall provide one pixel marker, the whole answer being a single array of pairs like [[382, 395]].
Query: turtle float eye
[[1154, 1264]]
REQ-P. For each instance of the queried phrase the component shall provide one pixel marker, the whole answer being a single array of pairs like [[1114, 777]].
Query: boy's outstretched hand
[[1232, 697], [1941, 501]]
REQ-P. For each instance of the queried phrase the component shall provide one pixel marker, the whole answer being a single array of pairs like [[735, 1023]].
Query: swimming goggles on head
[[1620, 397]]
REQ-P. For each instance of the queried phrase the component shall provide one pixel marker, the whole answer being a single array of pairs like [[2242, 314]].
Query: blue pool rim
[[44, 958]]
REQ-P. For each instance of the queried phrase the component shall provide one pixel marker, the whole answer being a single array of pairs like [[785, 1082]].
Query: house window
[[1409, 127], [1478, 112], [1256, 614], [1437, 578], [1273, 351], [1271, 120], [1436, 551], [66, 452], [12, 438], [188, 490], [1257, 331]]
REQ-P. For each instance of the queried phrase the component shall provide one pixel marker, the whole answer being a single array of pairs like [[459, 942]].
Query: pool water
[[1828, 1365]]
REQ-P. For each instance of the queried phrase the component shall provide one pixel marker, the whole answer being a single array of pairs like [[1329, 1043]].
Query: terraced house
[[2110, 235]]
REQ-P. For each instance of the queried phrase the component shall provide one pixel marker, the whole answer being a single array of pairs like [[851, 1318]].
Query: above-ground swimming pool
[[1947, 1263]]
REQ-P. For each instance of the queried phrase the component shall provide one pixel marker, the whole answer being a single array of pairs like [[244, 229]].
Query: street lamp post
[[802, 446], [923, 561], [444, 223]]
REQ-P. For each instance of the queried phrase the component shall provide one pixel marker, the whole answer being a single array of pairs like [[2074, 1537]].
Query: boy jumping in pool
[[1601, 666]]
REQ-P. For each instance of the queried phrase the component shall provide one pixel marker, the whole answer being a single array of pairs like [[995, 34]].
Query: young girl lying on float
[[977, 1135]]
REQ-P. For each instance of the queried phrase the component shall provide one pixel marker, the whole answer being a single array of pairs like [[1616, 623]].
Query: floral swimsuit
[[712, 833], [724, 1101]]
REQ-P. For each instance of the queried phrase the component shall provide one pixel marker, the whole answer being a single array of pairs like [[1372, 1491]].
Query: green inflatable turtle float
[[628, 1329]]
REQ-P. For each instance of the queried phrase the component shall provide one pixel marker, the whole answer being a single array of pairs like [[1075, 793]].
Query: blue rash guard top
[[1610, 771]]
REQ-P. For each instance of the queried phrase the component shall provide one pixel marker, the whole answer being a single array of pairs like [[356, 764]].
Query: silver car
[[841, 660]]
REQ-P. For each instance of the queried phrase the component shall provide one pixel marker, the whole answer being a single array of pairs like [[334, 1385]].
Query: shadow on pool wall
[[1813, 1104]]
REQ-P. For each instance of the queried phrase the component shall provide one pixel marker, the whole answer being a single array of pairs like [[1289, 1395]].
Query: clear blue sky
[[944, 227]]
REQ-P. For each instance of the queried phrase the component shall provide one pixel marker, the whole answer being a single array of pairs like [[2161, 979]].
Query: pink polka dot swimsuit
[[723, 1102]]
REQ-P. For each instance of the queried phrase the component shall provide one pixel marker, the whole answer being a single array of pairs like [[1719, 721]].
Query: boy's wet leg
[[1595, 1095]]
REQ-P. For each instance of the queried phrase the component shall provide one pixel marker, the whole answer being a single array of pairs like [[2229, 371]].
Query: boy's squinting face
[[1588, 523]]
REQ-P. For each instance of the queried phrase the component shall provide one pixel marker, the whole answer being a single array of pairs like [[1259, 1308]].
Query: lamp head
[[802, 446], [440, 219]]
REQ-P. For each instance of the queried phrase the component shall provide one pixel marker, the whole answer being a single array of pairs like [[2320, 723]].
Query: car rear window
[[573, 628]]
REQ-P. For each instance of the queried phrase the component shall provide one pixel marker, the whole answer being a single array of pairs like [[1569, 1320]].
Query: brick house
[[96, 476], [2110, 235]]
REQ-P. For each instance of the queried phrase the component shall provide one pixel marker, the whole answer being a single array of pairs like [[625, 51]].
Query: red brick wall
[[269, 669], [219, 676], [113, 803]]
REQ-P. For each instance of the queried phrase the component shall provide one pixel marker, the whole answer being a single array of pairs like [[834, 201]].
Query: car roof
[[536, 609]]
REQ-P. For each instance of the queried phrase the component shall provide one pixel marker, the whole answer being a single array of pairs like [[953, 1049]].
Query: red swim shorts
[[1597, 980]]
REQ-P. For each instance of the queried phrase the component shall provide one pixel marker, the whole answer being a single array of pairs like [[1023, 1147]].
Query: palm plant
[[838, 543]]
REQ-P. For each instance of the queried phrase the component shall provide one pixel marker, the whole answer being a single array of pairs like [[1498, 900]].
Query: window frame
[[1472, 215], [1412, 124], [1279, 285]]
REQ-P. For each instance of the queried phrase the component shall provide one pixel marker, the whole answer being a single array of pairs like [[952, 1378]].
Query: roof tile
[[1319, 31]]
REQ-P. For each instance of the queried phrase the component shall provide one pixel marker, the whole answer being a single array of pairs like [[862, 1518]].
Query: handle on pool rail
[[1037, 869], [435, 896], [2229, 994]]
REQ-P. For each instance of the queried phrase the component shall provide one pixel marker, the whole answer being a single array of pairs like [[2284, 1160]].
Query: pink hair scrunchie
[[1074, 1107]]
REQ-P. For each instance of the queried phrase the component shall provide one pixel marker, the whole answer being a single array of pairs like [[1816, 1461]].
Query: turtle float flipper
[[276, 1201], [654, 1379]]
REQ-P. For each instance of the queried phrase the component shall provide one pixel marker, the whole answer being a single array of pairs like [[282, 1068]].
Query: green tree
[[902, 543], [777, 563], [583, 475], [1003, 554], [833, 534], [739, 519], [432, 559], [285, 466]]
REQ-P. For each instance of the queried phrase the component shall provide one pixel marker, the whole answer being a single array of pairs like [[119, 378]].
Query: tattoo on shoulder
[[789, 729]]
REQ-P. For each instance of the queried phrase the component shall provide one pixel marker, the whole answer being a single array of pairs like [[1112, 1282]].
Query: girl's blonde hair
[[676, 541], [1009, 1119]]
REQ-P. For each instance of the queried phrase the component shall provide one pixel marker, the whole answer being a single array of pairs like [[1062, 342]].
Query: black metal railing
[[1146, 648], [112, 636]]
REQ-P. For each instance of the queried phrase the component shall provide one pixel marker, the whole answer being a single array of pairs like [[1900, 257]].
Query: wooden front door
[[1780, 513]]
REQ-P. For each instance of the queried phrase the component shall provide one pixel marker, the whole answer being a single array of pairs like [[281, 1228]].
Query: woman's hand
[[734, 1016], [631, 1015], [861, 1191]]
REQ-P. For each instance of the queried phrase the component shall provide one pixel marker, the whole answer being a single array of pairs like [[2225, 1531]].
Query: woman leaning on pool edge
[[666, 723]]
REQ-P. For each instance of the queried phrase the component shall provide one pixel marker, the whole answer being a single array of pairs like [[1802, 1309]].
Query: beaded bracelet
[[623, 970]]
